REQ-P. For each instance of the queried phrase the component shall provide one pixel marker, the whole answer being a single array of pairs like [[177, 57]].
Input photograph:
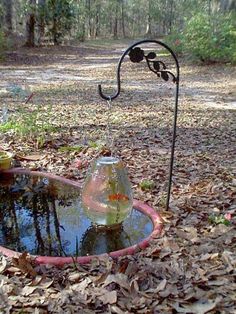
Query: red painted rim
[[60, 261]]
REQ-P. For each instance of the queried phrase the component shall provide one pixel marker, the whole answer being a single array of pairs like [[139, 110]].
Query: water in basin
[[44, 216]]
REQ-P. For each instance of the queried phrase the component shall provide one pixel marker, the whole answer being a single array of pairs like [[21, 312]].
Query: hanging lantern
[[106, 194]]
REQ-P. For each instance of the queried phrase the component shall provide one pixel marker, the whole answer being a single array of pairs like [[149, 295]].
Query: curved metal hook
[[111, 97]]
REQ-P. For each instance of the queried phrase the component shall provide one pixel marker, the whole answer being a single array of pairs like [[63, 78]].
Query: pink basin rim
[[60, 261]]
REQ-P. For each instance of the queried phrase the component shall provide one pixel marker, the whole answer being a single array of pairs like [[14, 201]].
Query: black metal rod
[[116, 94]]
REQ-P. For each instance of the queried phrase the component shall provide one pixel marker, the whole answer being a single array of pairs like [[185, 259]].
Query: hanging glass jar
[[106, 195]]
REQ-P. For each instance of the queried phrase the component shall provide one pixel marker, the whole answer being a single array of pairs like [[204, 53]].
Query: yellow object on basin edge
[[5, 160]]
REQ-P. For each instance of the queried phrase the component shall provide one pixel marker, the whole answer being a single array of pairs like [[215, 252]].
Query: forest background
[[204, 29]]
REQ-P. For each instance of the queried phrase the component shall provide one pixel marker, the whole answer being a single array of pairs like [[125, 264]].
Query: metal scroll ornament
[[158, 67]]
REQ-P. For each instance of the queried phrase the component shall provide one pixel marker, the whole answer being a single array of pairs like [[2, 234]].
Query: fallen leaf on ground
[[23, 262], [199, 307], [110, 297], [30, 157], [3, 264]]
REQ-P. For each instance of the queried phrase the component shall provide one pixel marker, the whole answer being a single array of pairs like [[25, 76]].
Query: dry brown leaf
[[46, 283], [170, 243], [119, 278], [27, 290], [199, 307], [110, 297], [81, 286], [117, 310], [229, 259], [23, 262], [100, 279], [14, 270], [36, 281], [222, 282], [207, 256], [74, 277], [161, 286], [34, 157], [3, 264]]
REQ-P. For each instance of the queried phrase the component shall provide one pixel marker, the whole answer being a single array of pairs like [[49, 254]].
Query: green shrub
[[176, 42], [211, 38], [147, 185]]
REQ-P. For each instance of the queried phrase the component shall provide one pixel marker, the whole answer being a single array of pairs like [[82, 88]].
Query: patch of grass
[[34, 124], [26, 127], [8, 126], [96, 145], [71, 149], [216, 220], [163, 53], [106, 42], [147, 185]]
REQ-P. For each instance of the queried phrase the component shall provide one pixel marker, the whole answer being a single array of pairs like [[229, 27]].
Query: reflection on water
[[45, 217]]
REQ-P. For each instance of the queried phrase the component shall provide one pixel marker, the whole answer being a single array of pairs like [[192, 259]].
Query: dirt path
[[191, 268], [213, 86]]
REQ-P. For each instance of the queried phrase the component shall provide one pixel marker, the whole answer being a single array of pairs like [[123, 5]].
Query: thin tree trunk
[[149, 27], [97, 20], [8, 15], [54, 25], [209, 7], [30, 24], [123, 18], [88, 9], [115, 29], [54, 32], [41, 21], [171, 15], [227, 5]]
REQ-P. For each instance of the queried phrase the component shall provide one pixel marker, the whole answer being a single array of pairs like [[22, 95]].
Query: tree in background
[[41, 20], [30, 23], [8, 15], [59, 18], [78, 20]]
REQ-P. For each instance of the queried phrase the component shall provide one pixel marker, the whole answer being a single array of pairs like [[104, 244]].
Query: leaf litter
[[190, 268]]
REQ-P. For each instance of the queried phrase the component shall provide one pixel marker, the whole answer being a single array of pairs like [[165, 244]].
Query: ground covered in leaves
[[59, 124]]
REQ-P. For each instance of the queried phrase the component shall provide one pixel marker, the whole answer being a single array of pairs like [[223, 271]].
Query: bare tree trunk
[[209, 7], [88, 8], [123, 17], [149, 27], [110, 25], [115, 29], [55, 32], [8, 15], [41, 21], [227, 5], [171, 15], [97, 20], [30, 25]]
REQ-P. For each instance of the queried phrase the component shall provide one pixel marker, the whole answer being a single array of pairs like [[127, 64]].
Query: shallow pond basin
[[42, 215]]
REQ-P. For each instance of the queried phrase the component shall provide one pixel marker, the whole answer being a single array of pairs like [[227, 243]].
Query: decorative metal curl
[[136, 55], [158, 67]]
